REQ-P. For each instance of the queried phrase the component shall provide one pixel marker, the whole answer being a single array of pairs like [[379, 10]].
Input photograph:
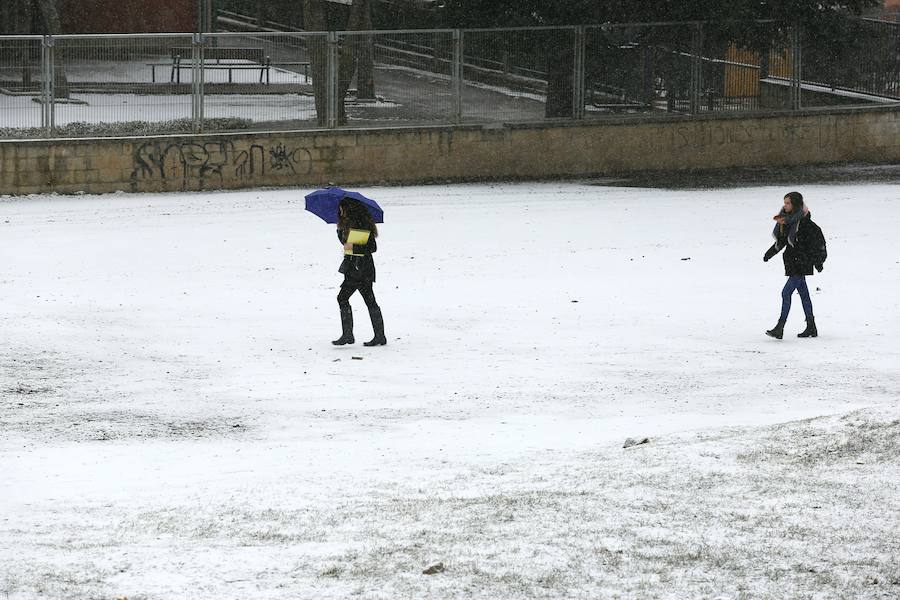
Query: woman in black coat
[[358, 269], [804, 249]]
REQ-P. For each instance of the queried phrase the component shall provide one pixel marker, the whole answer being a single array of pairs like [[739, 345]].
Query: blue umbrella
[[324, 204]]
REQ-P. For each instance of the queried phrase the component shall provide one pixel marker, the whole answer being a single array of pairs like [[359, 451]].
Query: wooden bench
[[230, 59]]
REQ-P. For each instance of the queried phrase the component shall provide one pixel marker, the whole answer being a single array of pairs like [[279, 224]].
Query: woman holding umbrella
[[356, 230]]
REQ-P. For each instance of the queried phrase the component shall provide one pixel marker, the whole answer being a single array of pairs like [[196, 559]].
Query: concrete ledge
[[468, 152]]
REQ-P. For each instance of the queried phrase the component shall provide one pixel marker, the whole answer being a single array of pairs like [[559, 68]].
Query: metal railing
[[89, 85]]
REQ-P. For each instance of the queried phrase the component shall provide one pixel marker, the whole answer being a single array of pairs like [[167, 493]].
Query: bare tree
[[560, 78], [355, 56], [16, 20], [364, 46], [36, 17], [315, 19]]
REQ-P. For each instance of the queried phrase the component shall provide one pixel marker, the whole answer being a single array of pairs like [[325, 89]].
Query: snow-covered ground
[[91, 107], [140, 73], [176, 423], [21, 111]]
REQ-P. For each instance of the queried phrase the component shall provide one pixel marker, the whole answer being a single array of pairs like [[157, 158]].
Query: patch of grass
[[610, 524], [819, 441], [333, 571], [28, 390]]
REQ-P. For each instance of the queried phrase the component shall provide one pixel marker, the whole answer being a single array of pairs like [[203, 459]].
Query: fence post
[[48, 77], [797, 67], [197, 75], [331, 111], [578, 74], [456, 84], [696, 89], [206, 16]]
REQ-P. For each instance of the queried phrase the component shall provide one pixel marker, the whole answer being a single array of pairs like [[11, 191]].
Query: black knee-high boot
[[346, 325], [377, 327]]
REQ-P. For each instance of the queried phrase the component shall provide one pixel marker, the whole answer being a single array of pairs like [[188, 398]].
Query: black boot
[[776, 332], [810, 330], [346, 326], [377, 327]]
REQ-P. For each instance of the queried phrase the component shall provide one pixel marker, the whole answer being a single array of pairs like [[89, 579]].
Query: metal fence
[[102, 85]]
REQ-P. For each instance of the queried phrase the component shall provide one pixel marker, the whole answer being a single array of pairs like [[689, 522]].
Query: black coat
[[358, 269], [808, 250]]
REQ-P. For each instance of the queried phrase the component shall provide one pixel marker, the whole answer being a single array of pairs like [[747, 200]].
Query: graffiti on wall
[[282, 158], [201, 165]]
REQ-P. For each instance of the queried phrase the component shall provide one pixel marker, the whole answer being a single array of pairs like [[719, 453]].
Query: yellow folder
[[357, 236]]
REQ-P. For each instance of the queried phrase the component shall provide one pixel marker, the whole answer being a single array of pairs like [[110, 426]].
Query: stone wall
[[424, 154]]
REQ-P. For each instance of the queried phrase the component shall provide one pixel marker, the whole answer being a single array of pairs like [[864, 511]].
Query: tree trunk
[[361, 20], [48, 20], [764, 64], [261, 15], [560, 85], [648, 76], [16, 19], [314, 19], [346, 68], [358, 18]]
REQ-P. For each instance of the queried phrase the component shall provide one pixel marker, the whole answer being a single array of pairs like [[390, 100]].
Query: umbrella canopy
[[324, 204]]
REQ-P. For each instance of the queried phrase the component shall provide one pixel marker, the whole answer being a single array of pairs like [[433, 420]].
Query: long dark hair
[[353, 215], [796, 200]]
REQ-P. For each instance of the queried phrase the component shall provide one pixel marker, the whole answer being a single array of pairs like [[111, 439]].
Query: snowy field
[[176, 424], [21, 111], [96, 107]]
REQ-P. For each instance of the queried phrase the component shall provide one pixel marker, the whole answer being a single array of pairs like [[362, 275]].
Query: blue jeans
[[795, 282]]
